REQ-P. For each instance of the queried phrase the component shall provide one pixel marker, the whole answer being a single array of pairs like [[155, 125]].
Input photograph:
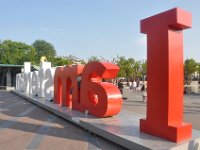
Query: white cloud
[[142, 40]]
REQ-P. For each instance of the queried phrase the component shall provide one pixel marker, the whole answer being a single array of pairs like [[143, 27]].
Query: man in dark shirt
[[120, 86]]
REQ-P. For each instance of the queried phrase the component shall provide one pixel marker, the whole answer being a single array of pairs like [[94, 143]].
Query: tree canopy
[[93, 58], [43, 48], [12, 52], [130, 68], [190, 66], [61, 62]]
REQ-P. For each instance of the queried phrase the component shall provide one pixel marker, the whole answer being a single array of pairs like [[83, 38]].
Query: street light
[[198, 73]]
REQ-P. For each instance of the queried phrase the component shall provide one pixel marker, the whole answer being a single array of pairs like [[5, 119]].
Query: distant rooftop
[[75, 59], [34, 67], [10, 65]]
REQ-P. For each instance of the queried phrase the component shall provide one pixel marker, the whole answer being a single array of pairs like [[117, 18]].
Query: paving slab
[[191, 109], [24, 125], [122, 129]]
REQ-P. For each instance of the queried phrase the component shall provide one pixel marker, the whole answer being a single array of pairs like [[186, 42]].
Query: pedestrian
[[120, 86], [79, 87], [144, 95], [134, 85], [130, 85], [138, 82]]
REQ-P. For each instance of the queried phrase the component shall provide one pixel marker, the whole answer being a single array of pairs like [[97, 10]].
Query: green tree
[[93, 58], [190, 66], [130, 68], [44, 48], [144, 69], [12, 52], [83, 62], [61, 62], [198, 71], [137, 69], [126, 67]]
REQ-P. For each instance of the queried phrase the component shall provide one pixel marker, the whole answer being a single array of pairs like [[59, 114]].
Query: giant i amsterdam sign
[[164, 117]]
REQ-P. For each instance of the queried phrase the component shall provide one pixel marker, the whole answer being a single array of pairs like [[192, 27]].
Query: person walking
[[120, 86]]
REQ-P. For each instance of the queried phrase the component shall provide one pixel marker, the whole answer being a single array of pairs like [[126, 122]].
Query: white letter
[[35, 83], [48, 87]]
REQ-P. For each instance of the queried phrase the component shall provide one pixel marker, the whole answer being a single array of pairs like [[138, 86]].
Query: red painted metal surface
[[82, 88], [165, 75], [101, 99], [66, 91], [76, 100], [58, 88]]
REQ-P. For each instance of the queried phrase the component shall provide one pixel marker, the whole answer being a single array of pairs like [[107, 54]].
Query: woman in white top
[[134, 85], [144, 95]]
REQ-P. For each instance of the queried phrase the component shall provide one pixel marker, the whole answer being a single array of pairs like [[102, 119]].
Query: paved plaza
[[26, 126], [23, 125], [191, 106]]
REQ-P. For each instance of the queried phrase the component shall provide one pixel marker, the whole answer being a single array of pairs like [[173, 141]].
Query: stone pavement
[[191, 106], [26, 126], [23, 125]]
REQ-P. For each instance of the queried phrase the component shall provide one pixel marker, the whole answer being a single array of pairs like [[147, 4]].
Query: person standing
[[137, 87], [134, 85], [144, 95], [130, 85]]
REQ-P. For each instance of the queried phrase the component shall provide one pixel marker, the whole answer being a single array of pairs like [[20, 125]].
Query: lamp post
[[198, 73]]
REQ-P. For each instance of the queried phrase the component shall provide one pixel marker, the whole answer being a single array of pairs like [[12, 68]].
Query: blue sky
[[83, 28]]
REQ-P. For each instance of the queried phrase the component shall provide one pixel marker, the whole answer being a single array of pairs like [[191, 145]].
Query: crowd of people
[[134, 86]]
